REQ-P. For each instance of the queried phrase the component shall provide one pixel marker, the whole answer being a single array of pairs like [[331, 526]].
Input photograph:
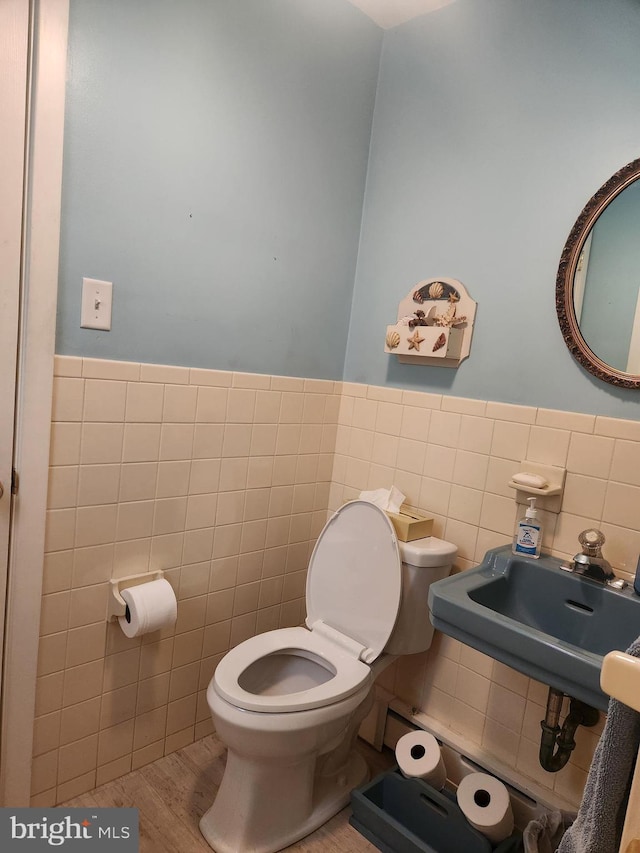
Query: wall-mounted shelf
[[435, 324]]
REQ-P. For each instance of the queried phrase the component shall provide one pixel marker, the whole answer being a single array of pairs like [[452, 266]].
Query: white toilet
[[288, 703]]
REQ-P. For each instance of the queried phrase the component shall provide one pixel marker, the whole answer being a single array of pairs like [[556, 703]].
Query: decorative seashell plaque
[[435, 324]]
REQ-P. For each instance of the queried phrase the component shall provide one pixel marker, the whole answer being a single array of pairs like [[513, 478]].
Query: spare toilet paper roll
[[419, 757], [150, 606], [484, 801]]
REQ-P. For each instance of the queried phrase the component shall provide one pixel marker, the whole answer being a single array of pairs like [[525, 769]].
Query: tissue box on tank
[[409, 525]]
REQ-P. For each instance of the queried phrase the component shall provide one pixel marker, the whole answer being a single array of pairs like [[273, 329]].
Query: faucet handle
[[592, 541]]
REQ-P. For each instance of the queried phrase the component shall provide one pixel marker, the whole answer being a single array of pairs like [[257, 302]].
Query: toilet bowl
[[288, 703]]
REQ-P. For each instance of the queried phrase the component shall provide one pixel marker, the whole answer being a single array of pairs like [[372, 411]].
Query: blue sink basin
[[531, 615]]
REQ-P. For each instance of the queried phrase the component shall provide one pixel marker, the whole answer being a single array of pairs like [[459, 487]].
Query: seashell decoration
[[415, 340], [439, 343], [437, 330], [435, 290], [392, 340]]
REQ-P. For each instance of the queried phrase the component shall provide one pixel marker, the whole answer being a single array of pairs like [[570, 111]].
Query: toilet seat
[[346, 674], [346, 569]]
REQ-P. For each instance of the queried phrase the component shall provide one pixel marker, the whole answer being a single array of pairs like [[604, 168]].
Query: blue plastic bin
[[401, 815]]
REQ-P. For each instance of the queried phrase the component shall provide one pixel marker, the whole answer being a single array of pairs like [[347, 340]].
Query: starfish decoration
[[415, 340]]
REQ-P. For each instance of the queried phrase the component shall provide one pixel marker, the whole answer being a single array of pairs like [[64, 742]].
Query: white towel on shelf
[[600, 821]]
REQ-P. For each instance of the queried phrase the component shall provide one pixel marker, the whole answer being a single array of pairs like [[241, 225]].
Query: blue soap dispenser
[[527, 539]]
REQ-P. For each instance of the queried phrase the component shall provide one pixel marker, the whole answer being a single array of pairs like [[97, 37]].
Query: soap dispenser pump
[[527, 539]]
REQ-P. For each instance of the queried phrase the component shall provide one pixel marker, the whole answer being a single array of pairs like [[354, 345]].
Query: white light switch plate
[[96, 304]]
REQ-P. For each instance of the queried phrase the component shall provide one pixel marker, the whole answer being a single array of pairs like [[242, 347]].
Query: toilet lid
[[354, 580]]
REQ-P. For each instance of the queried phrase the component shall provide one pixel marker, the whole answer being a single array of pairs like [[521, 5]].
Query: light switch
[[96, 304]]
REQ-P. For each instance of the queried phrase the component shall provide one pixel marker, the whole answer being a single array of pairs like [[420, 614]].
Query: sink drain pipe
[[556, 743]]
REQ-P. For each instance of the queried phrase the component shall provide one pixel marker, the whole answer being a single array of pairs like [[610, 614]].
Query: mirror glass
[[598, 284]]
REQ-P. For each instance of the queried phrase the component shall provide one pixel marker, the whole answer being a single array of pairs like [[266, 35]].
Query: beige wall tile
[[625, 467], [54, 616], [212, 405], [135, 520], [445, 428], [267, 407], [170, 514], [67, 365], [164, 373], [153, 693], [549, 446], [138, 481], [83, 682], [52, 650], [98, 484], [95, 525], [68, 399], [590, 455], [115, 742], [80, 721], [122, 668], [101, 443], [104, 400], [621, 505], [184, 681], [584, 495], [147, 754], [150, 727], [113, 770], [221, 378], [574, 421], [240, 405], [118, 705], [144, 402], [179, 404], [251, 380], [46, 733], [65, 443], [88, 642], [617, 428], [92, 565], [60, 529], [463, 405], [44, 771], [49, 690], [176, 441], [57, 571], [155, 658], [470, 469], [98, 368]]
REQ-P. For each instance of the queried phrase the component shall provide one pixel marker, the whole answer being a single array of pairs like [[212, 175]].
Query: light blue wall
[[215, 159], [495, 122]]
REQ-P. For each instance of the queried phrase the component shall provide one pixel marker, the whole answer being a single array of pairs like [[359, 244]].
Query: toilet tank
[[424, 561]]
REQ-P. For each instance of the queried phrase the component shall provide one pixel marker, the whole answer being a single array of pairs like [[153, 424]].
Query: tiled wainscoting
[[224, 481], [220, 479]]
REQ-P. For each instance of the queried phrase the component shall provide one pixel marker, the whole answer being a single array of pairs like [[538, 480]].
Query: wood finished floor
[[173, 793]]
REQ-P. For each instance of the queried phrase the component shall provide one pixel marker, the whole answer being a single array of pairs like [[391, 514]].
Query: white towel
[[598, 827]]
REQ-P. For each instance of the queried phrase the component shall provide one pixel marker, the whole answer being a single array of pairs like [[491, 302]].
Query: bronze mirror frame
[[566, 272]]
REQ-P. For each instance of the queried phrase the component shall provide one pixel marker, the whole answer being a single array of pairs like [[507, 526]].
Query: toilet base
[[288, 816]]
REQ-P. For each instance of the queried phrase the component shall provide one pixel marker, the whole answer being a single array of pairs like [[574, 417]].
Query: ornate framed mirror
[[598, 282]]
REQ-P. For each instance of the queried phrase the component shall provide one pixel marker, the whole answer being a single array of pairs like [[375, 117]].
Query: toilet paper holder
[[116, 605]]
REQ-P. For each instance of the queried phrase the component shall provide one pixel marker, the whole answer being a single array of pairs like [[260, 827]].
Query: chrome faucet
[[590, 563]]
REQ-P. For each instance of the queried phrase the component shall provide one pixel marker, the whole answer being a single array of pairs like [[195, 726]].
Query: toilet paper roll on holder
[[116, 605]]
